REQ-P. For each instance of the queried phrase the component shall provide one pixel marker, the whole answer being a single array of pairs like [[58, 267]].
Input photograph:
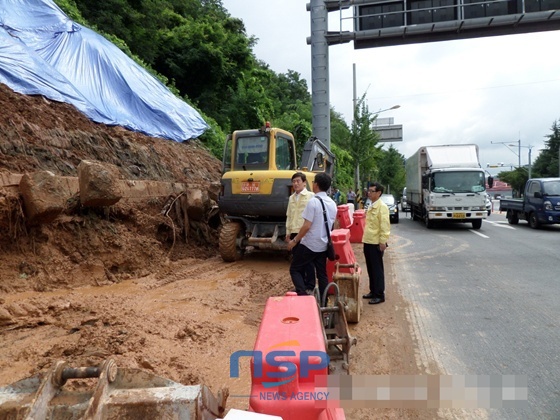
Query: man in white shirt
[[313, 237]]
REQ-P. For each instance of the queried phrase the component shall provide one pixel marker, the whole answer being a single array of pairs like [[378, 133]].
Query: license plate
[[250, 187], [458, 215]]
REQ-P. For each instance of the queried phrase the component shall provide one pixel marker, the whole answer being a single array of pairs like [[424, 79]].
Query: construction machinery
[[256, 184], [300, 341], [115, 393]]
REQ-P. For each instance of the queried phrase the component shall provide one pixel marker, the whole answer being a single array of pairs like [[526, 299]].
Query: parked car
[[389, 199], [488, 205], [404, 202]]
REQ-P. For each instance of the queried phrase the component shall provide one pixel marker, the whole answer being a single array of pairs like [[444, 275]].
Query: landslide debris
[[88, 245]]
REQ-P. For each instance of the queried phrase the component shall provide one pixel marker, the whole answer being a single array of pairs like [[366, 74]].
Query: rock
[[44, 196], [197, 203], [99, 184], [5, 317]]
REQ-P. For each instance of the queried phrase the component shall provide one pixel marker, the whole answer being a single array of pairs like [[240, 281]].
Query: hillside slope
[[86, 245]]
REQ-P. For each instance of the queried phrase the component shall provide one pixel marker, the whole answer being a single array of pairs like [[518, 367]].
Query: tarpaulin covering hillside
[[43, 52]]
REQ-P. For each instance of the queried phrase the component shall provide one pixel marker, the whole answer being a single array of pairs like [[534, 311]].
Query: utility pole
[[357, 186], [519, 151], [508, 145]]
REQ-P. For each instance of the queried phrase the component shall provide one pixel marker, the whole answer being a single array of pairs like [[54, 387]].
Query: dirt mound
[[88, 245]]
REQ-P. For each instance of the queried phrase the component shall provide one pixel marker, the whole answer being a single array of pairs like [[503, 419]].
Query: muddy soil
[[184, 321], [121, 283]]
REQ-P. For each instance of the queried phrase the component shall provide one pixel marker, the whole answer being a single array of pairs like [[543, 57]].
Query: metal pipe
[[81, 372]]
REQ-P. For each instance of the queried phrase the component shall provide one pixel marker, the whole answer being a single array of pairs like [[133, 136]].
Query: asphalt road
[[485, 302]]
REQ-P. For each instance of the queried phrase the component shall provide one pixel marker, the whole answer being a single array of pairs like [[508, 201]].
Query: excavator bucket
[[119, 393]]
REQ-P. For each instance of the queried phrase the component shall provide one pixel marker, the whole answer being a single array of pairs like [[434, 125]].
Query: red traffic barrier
[[343, 216], [358, 226], [343, 250], [288, 356]]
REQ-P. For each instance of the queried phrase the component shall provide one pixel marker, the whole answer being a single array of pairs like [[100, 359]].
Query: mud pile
[[87, 245]]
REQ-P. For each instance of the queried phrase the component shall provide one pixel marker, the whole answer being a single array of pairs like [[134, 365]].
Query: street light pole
[[506, 143], [530, 150], [355, 117], [519, 152]]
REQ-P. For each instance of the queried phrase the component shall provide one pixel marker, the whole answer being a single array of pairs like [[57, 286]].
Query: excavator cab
[[256, 183]]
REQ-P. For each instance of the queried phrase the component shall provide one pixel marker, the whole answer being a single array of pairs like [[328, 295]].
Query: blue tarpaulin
[[43, 52]]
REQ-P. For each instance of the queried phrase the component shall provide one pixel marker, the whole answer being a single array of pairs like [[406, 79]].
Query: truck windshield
[[551, 187], [458, 182]]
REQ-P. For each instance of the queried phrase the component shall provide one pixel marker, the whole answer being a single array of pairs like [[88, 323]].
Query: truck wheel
[[429, 223], [414, 214], [476, 224], [230, 233], [512, 217], [533, 221]]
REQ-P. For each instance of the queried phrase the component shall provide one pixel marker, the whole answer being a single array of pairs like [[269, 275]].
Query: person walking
[[351, 197], [376, 234], [337, 196], [312, 237], [296, 204]]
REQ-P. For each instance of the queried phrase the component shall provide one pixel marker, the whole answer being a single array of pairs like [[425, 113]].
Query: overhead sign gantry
[[398, 22]]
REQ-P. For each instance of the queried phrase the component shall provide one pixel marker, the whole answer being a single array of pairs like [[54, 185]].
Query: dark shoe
[[309, 292], [375, 301], [368, 296]]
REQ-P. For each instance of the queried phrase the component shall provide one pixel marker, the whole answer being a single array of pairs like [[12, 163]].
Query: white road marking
[[479, 234], [500, 224]]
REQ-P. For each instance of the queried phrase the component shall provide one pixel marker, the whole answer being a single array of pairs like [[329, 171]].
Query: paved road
[[486, 302]]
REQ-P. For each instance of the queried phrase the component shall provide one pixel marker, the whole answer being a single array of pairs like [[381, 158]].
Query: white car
[[389, 200], [488, 205]]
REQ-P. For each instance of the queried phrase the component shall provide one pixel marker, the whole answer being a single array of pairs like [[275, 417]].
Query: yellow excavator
[[256, 183]]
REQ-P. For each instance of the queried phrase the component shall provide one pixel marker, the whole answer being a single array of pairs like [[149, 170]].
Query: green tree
[[391, 171], [546, 164], [516, 178], [362, 144], [196, 44], [344, 169]]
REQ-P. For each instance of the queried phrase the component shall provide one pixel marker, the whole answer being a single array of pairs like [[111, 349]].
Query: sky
[[484, 91]]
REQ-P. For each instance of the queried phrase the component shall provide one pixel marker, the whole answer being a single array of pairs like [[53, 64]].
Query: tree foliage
[[546, 164], [361, 143], [516, 178], [391, 171], [203, 54]]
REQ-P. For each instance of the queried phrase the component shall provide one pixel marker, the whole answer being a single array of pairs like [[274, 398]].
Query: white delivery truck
[[446, 183]]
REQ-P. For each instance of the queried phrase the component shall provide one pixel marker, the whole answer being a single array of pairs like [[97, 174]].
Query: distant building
[[499, 189]]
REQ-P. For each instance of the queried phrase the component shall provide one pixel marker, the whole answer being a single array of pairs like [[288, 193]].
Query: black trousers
[[302, 258], [309, 276], [376, 272]]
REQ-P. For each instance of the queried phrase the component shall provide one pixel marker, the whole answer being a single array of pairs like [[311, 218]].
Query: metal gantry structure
[[396, 22]]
